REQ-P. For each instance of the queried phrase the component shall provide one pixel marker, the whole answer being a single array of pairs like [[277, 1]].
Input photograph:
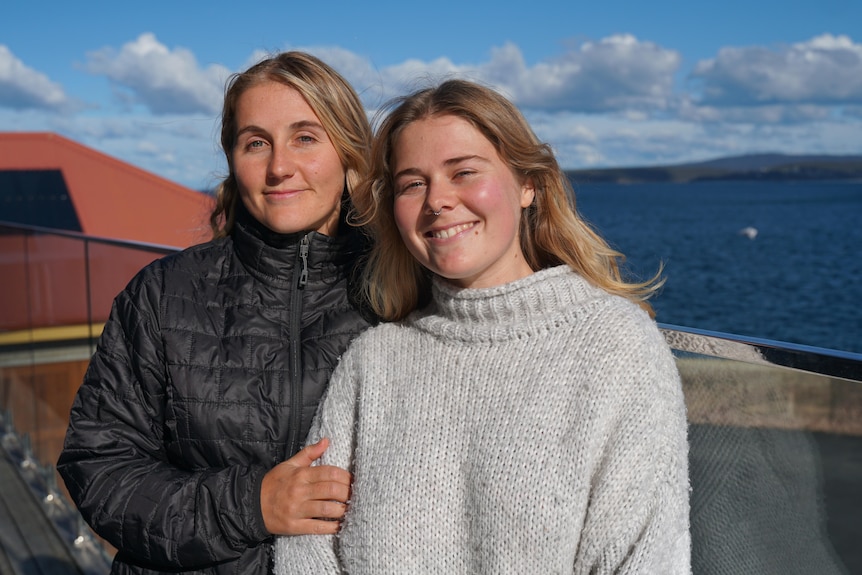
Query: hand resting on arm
[[297, 498]]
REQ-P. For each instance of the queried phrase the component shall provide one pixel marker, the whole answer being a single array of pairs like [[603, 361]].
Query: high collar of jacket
[[272, 257]]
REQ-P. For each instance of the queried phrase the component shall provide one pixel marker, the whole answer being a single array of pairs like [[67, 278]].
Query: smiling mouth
[[449, 232], [281, 192]]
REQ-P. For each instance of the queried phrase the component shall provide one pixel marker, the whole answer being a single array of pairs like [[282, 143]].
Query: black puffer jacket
[[208, 373]]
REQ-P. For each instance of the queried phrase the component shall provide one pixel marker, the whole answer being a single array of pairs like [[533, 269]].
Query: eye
[[464, 173], [410, 187], [254, 144], [306, 139]]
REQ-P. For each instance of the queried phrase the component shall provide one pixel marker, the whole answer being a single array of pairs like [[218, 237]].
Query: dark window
[[37, 198]]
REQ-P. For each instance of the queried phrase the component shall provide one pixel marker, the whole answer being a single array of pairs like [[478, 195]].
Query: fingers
[[309, 454], [316, 527], [329, 510], [328, 483], [299, 499]]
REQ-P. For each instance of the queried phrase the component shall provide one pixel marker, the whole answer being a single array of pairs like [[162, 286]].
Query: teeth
[[448, 233]]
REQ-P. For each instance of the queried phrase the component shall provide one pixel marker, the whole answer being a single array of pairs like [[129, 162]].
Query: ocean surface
[[773, 260]]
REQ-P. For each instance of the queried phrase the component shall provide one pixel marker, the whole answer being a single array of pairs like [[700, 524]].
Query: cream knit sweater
[[535, 427]]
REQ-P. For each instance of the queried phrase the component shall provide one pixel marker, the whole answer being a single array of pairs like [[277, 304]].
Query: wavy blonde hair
[[331, 98], [551, 230]]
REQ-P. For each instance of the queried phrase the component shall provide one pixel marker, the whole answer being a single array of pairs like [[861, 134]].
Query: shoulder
[[193, 262], [379, 345], [613, 319], [188, 271], [194, 259], [630, 324], [621, 327], [637, 365], [618, 337], [384, 335], [583, 306]]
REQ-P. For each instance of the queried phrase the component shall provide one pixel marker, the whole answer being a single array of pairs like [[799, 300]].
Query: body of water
[[774, 260]]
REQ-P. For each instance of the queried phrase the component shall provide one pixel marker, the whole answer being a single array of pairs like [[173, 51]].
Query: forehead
[[272, 102], [441, 137]]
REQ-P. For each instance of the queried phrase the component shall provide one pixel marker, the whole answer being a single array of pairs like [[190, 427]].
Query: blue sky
[[606, 83]]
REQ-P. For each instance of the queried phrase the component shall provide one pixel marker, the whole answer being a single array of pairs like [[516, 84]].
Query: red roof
[[113, 199]]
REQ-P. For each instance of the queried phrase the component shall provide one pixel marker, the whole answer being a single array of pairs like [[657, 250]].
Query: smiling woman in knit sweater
[[520, 412]]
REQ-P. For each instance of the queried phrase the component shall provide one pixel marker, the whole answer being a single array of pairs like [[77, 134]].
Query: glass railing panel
[[110, 267], [54, 307], [775, 456], [13, 280], [56, 281], [56, 290], [55, 295], [775, 429]]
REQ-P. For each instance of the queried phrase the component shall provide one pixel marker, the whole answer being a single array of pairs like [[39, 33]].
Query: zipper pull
[[303, 255]]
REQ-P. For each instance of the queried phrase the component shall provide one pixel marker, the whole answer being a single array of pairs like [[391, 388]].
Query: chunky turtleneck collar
[[272, 257], [506, 311]]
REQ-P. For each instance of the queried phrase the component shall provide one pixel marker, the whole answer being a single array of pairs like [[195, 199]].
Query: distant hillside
[[750, 167]]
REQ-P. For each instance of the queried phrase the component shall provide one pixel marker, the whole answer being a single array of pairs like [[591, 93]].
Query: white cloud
[[616, 73], [415, 74], [23, 88], [826, 70], [165, 81], [608, 102], [763, 114], [376, 86], [613, 74]]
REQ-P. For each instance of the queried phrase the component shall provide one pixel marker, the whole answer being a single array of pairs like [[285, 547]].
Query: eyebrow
[[301, 124], [450, 162]]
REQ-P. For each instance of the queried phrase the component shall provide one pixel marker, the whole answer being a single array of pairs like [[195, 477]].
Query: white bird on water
[[749, 232]]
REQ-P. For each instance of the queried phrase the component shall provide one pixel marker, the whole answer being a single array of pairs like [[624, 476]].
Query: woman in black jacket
[[213, 360]]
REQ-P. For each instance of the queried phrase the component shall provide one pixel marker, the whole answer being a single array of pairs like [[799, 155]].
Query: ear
[[528, 192]]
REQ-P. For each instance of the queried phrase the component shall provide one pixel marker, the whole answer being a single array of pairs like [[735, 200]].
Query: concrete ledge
[[725, 392]]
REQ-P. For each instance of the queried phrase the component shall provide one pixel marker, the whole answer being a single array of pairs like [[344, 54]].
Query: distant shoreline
[[765, 167]]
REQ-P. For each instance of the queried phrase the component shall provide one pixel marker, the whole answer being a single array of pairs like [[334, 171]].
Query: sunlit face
[[443, 164], [288, 172]]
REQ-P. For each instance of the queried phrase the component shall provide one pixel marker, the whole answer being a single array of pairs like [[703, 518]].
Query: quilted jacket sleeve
[[114, 461]]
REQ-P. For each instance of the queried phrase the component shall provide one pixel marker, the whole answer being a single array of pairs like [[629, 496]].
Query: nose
[[281, 164], [439, 196]]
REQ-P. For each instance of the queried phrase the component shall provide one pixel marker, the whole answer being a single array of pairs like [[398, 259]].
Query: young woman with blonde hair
[[212, 363], [522, 413]]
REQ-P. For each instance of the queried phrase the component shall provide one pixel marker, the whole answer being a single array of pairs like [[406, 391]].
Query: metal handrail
[[829, 362], [85, 237]]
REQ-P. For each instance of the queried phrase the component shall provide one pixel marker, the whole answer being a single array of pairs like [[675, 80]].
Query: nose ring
[[436, 213]]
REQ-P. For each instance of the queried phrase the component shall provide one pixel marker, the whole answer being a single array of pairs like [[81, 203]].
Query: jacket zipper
[[293, 442]]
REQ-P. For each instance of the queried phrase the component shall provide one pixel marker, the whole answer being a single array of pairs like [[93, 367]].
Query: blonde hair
[[551, 231], [328, 94]]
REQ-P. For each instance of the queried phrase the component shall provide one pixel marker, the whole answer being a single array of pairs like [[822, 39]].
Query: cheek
[[406, 214], [333, 173], [487, 200], [242, 184], [501, 205], [244, 173], [494, 200]]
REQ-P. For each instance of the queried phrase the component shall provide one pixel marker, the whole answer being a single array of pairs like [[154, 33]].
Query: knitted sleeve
[[335, 420], [638, 515]]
